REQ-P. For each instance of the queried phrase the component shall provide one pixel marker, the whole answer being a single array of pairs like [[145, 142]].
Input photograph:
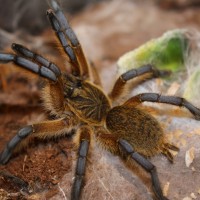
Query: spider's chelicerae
[[78, 102]]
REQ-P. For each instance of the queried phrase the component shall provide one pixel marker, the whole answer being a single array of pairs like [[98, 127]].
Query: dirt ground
[[106, 31]]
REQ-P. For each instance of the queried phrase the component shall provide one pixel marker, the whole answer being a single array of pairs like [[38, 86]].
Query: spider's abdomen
[[139, 128]]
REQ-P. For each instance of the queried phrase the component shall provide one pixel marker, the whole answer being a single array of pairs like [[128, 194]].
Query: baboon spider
[[78, 102]]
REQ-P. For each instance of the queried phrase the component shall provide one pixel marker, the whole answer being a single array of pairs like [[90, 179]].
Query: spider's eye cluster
[[79, 84], [68, 92], [71, 83]]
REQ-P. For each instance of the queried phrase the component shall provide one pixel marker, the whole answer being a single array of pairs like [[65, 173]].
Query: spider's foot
[[23, 185]]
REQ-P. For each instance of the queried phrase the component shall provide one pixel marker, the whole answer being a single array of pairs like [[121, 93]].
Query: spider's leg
[[121, 147], [29, 65], [23, 185], [25, 52], [95, 75], [133, 73], [65, 44], [146, 164], [46, 129], [173, 100], [84, 141], [71, 36], [7, 152], [52, 93], [68, 40]]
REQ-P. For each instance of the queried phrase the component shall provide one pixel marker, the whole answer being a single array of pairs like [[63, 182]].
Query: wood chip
[[187, 198], [193, 196], [189, 156], [198, 191], [3, 194], [166, 189], [173, 88]]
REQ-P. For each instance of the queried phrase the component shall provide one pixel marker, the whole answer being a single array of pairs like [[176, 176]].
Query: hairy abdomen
[[139, 128]]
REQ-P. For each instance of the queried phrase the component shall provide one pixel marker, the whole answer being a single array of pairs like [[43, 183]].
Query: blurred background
[[106, 29], [29, 15], [18, 14]]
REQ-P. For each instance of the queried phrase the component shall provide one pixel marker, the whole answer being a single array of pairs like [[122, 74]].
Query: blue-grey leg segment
[[80, 170], [23, 185], [146, 164], [7, 152], [64, 23], [29, 65], [21, 50], [65, 34], [173, 100], [144, 70], [61, 35], [5, 58]]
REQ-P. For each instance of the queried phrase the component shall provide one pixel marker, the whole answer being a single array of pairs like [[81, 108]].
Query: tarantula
[[78, 102]]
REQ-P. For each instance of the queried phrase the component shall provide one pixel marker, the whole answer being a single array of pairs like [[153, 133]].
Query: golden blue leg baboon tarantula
[[78, 103]]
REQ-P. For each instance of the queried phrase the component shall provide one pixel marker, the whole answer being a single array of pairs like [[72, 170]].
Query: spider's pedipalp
[[146, 164], [157, 98], [133, 73], [21, 50]]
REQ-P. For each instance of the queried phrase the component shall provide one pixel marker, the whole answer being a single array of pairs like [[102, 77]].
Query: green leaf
[[167, 52]]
